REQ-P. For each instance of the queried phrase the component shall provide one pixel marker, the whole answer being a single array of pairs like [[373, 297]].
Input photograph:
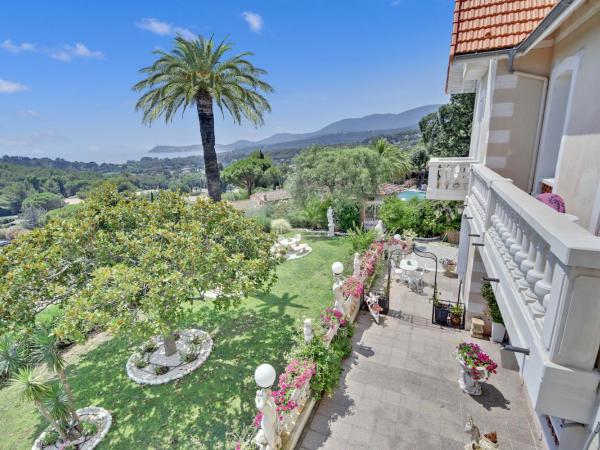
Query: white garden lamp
[[337, 268], [397, 237], [265, 375]]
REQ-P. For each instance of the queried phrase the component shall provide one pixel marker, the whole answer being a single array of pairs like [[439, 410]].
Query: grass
[[198, 410]]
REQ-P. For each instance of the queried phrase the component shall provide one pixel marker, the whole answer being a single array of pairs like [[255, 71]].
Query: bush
[[360, 239], [428, 218], [14, 232], [43, 200], [347, 213], [89, 427], [190, 354], [160, 370], [494, 310], [50, 438], [233, 196], [149, 346], [280, 226]]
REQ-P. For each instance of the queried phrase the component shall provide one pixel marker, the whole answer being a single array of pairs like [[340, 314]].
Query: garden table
[[409, 265]]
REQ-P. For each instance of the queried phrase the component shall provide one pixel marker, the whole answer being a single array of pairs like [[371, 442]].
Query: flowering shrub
[[332, 317], [475, 358], [352, 286]]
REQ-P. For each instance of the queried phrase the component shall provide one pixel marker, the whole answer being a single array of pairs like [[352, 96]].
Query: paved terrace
[[399, 388]]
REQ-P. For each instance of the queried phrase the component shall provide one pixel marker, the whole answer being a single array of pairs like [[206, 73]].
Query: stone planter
[[498, 332], [469, 384], [101, 416]]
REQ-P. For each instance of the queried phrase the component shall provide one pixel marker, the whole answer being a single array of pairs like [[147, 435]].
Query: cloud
[[28, 113], [164, 28], [255, 21], [396, 3], [10, 87], [9, 46], [79, 50]]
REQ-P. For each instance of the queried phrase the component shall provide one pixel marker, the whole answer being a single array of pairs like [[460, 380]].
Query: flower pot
[[455, 320], [441, 315], [498, 332], [466, 381]]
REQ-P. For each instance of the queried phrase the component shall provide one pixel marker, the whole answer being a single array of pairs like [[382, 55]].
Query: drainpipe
[[590, 438]]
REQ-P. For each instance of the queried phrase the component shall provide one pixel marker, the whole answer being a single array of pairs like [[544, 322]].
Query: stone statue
[[308, 331], [379, 233], [267, 437], [338, 294], [356, 266], [330, 222]]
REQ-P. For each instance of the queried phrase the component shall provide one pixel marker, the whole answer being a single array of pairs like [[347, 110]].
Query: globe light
[[265, 375], [397, 237], [337, 268]]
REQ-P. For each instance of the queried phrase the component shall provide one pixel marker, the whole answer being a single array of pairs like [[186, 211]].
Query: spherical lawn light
[[337, 268], [265, 375], [397, 237]]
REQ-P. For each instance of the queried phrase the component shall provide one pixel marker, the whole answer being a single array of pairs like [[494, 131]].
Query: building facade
[[534, 66]]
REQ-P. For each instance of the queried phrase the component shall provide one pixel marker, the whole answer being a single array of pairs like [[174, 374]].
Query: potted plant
[[498, 329], [456, 314], [409, 235], [449, 265], [440, 310], [475, 365]]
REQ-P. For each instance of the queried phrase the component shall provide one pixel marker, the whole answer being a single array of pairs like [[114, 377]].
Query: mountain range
[[343, 131]]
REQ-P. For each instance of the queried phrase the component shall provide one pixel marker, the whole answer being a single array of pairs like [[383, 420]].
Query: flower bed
[[149, 365]]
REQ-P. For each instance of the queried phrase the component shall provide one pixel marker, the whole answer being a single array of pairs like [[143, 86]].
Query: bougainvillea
[[352, 286], [332, 317], [476, 359]]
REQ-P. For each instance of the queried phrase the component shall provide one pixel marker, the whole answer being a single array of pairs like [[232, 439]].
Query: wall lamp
[[512, 348], [491, 280]]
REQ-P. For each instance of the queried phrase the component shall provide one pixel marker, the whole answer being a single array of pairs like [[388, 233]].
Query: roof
[[389, 188], [485, 25], [271, 196]]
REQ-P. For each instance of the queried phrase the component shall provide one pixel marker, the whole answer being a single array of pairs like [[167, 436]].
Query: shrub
[[360, 239], [428, 218], [139, 360], [347, 213], [494, 310], [281, 226], [190, 353], [14, 232], [89, 427], [149, 346], [160, 370], [50, 438], [233, 196], [43, 200]]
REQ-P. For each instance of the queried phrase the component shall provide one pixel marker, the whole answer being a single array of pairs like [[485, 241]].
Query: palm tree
[[12, 355], [45, 349], [199, 72], [396, 160], [33, 387]]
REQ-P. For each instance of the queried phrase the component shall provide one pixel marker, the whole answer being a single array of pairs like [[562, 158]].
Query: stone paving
[[399, 388]]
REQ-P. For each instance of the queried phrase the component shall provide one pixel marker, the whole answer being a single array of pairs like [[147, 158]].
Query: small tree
[[249, 172], [33, 387]]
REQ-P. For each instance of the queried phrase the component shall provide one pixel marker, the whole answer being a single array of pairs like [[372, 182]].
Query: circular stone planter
[[101, 416], [177, 367]]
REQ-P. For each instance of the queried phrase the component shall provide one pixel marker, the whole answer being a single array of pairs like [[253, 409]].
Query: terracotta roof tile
[[483, 25]]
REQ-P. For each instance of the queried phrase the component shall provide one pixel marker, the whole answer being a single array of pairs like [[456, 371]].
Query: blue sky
[[67, 67]]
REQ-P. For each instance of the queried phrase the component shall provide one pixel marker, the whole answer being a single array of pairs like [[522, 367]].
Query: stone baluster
[[542, 290], [527, 264], [520, 251], [308, 331], [535, 275], [442, 180]]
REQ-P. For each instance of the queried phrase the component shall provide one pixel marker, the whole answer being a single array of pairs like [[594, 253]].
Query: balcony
[[549, 279], [448, 178]]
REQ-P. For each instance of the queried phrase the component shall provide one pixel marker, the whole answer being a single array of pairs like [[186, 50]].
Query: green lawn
[[201, 407]]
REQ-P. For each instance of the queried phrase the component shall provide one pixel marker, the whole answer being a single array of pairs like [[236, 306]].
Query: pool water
[[410, 194]]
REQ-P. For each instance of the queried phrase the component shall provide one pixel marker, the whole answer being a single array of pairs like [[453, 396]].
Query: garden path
[[399, 388]]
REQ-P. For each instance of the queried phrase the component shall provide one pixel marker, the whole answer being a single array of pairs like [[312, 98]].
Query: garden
[[201, 409]]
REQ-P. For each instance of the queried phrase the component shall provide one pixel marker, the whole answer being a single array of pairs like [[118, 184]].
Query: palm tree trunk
[[63, 379], [204, 106], [170, 345], [53, 422]]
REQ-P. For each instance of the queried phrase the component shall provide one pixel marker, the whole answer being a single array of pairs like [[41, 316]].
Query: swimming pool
[[410, 194]]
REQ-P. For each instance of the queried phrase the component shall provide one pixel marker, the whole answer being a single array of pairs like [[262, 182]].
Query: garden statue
[[308, 331], [330, 223], [267, 437], [338, 294], [379, 233], [372, 301], [356, 273]]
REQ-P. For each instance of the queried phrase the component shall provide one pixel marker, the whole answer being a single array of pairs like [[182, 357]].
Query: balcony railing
[[549, 290], [448, 178]]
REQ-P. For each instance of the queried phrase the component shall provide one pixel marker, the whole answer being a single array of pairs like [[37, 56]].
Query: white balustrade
[[448, 178], [528, 242]]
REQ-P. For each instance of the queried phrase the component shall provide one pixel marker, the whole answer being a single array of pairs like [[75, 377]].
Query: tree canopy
[[250, 172], [327, 172], [448, 132], [127, 262]]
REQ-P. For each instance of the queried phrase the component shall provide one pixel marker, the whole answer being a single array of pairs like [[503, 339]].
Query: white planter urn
[[467, 382], [498, 332]]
